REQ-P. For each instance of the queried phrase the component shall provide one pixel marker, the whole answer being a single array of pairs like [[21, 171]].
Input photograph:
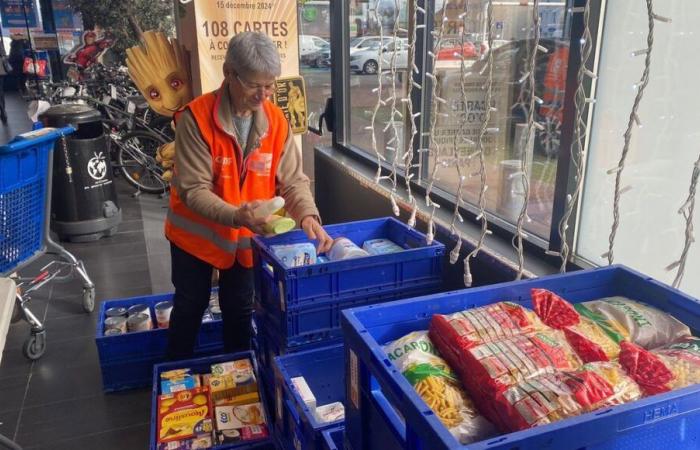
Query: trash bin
[[84, 205]]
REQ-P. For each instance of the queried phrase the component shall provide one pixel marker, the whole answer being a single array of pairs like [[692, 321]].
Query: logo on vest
[[224, 160]]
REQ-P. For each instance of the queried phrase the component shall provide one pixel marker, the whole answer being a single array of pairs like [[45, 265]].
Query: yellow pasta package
[[431, 377]]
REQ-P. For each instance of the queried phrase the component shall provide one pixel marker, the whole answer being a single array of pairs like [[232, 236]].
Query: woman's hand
[[315, 231]]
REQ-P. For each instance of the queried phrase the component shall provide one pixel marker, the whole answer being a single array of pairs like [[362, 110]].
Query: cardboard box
[[185, 414], [238, 417], [200, 442]]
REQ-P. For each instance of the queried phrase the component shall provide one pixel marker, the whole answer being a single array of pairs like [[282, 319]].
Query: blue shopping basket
[[24, 191]]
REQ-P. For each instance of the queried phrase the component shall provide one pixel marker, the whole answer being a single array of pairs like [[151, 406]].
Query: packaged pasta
[[673, 366], [555, 396], [644, 325], [593, 337], [431, 377], [485, 324]]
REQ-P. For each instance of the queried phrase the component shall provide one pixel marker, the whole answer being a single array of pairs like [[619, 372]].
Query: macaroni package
[[555, 396], [593, 337], [673, 366], [431, 377], [485, 324]]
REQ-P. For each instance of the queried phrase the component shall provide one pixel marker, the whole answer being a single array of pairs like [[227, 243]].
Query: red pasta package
[[593, 337], [673, 366], [555, 396], [486, 323], [492, 367]]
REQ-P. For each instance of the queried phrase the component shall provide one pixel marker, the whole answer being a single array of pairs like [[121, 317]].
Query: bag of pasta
[[673, 366], [431, 377], [485, 324], [593, 337], [555, 396]]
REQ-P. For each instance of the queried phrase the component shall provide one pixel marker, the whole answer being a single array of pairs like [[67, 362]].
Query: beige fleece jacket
[[193, 177]]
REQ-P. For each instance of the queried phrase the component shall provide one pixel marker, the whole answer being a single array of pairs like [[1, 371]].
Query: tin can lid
[[164, 305], [113, 332], [137, 309], [116, 311]]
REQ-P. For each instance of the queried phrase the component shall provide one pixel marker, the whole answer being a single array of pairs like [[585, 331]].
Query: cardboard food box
[[241, 371], [185, 414], [238, 417], [178, 380], [199, 442], [224, 390], [247, 433]]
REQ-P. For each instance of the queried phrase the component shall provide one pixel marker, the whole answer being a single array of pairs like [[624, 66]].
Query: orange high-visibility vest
[[235, 180]]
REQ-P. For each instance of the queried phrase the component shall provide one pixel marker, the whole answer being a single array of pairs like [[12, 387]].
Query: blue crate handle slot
[[35, 137], [385, 409]]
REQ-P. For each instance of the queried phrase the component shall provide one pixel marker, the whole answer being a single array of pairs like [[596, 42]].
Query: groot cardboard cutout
[[160, 70]]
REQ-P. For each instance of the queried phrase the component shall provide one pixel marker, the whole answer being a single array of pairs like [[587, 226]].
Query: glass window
[[663, 149], [367, 21], [462, 115]]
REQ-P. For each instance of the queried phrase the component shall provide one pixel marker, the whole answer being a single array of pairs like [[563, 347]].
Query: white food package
[[645, 325], [417, 358], [330, 412], [307, 396]]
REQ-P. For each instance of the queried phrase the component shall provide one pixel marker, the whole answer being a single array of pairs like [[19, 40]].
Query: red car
[[451, 49]]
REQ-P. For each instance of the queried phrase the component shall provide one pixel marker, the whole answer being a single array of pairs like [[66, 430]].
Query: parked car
[[320, 58], [367, 60], [309, 46], [365, 42], [450, 50]]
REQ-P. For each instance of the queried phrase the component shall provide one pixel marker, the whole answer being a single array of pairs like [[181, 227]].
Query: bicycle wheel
[[136, 157]]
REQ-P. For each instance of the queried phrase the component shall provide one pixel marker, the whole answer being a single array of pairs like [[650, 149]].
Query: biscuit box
[[184, 414]]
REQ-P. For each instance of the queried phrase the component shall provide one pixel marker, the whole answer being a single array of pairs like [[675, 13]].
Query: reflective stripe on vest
[[207, 233]]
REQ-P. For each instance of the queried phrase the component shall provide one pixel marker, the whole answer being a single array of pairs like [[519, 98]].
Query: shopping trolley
[[25, 209]]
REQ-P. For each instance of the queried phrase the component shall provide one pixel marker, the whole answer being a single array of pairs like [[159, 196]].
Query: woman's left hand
[[315, 231]]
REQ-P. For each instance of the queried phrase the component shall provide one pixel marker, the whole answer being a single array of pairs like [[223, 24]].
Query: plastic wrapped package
[[646, 326], [555, 396], [431, 377], [593, 337], [485, 324], [673, 366]]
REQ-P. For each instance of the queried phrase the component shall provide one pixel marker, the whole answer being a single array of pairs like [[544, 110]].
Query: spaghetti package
[[673, 366], [485, 324], [555, 396], [593, 337], [431, 377]]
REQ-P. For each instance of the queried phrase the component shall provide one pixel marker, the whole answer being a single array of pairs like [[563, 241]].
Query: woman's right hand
[[245, 217]]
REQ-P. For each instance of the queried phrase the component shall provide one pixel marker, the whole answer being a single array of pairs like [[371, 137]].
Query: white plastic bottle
[[268, 207]]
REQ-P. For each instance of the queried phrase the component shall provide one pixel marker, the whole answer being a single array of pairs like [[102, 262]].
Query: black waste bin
[[84, 204]]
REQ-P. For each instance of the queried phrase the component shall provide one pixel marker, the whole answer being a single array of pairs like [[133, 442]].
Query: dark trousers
[[192, 280]]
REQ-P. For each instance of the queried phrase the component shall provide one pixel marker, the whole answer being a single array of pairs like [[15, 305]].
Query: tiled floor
[[57, 402]]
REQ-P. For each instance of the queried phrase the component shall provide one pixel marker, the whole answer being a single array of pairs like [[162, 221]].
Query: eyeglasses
[[254, 86]]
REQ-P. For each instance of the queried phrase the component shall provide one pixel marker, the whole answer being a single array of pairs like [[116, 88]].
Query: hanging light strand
[[687, 211], [378, 104], [434, 146], [531, 69], [633, 120], [395, 115], [578, 151], [411, 69], [481, 147]]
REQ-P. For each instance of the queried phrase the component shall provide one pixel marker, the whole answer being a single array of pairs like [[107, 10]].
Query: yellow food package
[[184, 414]]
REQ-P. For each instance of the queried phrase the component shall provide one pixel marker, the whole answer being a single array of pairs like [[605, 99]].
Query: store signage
[[18, 13]]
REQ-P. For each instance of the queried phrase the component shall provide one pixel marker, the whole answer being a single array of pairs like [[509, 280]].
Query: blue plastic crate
[[381, 277], [203, 365], [324, 372], [127, 359], [24, 171], [667, 421], [333, 438]]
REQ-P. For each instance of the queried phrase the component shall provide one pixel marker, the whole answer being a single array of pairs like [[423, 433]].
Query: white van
[[310, 44]]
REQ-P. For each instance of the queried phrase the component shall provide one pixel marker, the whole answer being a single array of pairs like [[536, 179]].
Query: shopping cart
[[25, 210]]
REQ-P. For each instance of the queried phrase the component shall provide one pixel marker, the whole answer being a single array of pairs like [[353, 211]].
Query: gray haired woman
[[233, 151]]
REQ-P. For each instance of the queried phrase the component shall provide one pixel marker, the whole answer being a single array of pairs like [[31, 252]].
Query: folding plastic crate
[[203, 365], [418, 267], [127, 359], [324, 372], [667, 421], [333, 438]]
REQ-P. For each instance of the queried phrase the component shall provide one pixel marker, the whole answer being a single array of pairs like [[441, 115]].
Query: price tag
[[354, 381]]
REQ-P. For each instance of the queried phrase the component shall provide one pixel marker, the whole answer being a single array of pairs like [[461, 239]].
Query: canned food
[[117, 311], [113, 332], [163, 310], [139, 309], [139, 322], [115, 323]]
